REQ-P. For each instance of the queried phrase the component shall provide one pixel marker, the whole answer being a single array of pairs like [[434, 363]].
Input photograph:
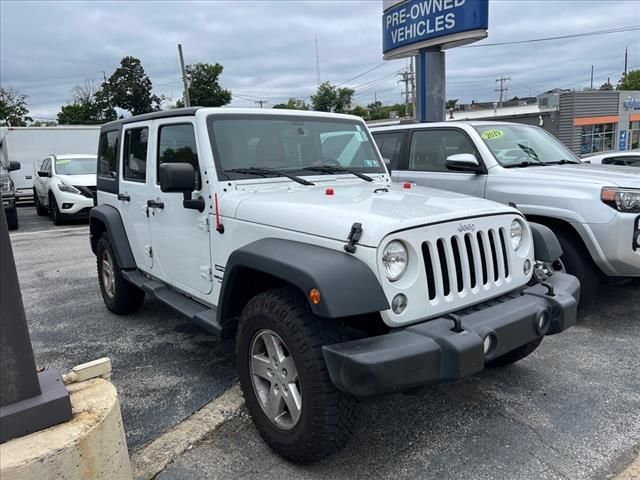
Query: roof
[[408, 126], [71, 156], [191, 111]]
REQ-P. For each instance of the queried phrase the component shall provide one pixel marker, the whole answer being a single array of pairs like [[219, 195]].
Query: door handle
[[154, 204], [124, 198]]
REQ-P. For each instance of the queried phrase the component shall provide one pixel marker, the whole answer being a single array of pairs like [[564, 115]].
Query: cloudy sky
[[268, 52]]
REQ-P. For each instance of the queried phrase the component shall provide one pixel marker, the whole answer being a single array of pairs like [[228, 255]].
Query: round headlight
[[395, 259], [516, 234]]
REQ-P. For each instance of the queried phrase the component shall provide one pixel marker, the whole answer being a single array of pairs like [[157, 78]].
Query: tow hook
[[550, 291], [354, 237], [457, 322]]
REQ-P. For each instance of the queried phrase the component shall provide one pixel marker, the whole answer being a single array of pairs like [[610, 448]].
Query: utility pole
[[502, 89], [591, 87], [187, 100], [413, 86], [407, 79], [625, 60], [317, 63], [260, 102]]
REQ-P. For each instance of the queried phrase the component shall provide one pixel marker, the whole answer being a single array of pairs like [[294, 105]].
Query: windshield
[[514, 144], [290, 144], [76, 166]]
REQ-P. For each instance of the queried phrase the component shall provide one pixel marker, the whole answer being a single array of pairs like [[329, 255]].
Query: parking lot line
[[60, 230]]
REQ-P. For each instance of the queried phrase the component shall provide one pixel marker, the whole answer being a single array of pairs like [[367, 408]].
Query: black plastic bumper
[[9, 203], [431, 352]]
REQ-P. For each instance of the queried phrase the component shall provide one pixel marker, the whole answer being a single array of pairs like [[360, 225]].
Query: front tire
[[515, 355], [295, 406], [12, 218], [120, 296], [577, 261], [56, 216]]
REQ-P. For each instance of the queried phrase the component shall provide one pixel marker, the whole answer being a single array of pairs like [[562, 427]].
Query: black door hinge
[[354, 237]]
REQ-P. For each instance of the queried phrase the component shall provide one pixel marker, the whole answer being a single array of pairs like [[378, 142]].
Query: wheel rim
[[108, 277], [275, 379]]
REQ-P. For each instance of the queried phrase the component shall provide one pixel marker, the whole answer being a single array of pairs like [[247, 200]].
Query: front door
[[428, 152], [132, 198], [181, 236], [41, 184]]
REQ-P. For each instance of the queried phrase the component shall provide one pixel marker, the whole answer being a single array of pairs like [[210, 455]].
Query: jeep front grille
[[463, 264]]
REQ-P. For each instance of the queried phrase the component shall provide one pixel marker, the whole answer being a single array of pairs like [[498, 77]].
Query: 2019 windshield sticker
[[492, 134]]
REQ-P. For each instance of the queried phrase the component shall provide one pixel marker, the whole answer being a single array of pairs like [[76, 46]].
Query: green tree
[[360, 111], [292, 104], [329, 98], [630, 81], [13, 108], [90, 106], [452, 103], [204, 87], [129, 88], [606, 86]]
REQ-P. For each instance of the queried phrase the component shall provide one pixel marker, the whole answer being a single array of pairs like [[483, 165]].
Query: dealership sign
[[410, 25]]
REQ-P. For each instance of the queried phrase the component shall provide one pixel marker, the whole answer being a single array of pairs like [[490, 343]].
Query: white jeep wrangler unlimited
[[284, 229]]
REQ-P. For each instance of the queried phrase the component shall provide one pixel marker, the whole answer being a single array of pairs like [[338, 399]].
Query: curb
[[632, 472], [155, 456]]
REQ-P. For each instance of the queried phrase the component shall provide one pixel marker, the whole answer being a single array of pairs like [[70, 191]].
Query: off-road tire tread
[[332, 428], [127, 298], [515, 355]]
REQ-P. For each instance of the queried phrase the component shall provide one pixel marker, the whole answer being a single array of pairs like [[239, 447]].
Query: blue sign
[[623, 140], [416, 24]]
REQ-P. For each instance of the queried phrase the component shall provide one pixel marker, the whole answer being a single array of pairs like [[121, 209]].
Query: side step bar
[[201, 315]]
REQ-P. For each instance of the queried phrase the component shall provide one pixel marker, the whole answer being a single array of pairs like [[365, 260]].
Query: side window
[[45, 165], [177, 144], [430, 149], [390, 145], [107, 154], [134, 163]]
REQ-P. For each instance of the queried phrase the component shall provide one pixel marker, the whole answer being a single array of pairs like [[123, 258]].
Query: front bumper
[[72, 204], [430, 352], [619, 244]]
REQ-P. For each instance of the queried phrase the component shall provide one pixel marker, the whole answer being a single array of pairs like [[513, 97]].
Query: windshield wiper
[[263, 172], [338, 169], [526, 163], [529, 151], [564, 161]]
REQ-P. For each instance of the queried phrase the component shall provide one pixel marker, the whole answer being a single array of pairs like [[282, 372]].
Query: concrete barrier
[[90, 446]]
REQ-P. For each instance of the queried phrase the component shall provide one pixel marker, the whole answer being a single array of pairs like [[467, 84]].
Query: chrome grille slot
[[459, 265]]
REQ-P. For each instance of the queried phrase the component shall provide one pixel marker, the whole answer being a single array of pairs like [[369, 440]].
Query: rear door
[[133, 192], [181, 238], [426, 161]]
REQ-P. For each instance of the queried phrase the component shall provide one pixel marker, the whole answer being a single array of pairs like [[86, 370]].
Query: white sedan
[[630, 158], [65, 186]]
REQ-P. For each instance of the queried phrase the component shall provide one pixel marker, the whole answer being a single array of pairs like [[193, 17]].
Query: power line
[[362, 74], [560, 37]]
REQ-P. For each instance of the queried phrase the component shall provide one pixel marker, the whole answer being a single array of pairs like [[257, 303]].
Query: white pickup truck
[[593, 209]]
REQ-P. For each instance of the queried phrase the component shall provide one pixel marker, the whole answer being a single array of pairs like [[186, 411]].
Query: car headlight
[[622, 199], [395, 259], [516, 234], [63, 187], [5, 184]]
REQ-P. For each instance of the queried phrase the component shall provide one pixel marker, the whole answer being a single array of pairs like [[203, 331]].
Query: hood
[[602, 175], [310, 210], [85, 180]]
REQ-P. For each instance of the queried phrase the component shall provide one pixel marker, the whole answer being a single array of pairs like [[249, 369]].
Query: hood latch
[[354, 237]]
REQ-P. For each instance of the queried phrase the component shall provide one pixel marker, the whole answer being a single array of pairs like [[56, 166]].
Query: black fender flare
[[347, 285], [110, 217], [545, 243]]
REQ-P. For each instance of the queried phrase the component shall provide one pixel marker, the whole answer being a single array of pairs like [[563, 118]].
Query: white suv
[[284, 230], [65, 186]]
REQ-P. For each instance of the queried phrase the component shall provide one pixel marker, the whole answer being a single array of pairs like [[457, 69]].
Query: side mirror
[[463, 162], [13, 165], [181, 178], [43, 173]]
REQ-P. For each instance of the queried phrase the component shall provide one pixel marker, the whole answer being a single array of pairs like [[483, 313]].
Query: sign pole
[[430, 81]]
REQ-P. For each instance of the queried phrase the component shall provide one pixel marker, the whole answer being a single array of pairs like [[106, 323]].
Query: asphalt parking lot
[[569, 411]]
